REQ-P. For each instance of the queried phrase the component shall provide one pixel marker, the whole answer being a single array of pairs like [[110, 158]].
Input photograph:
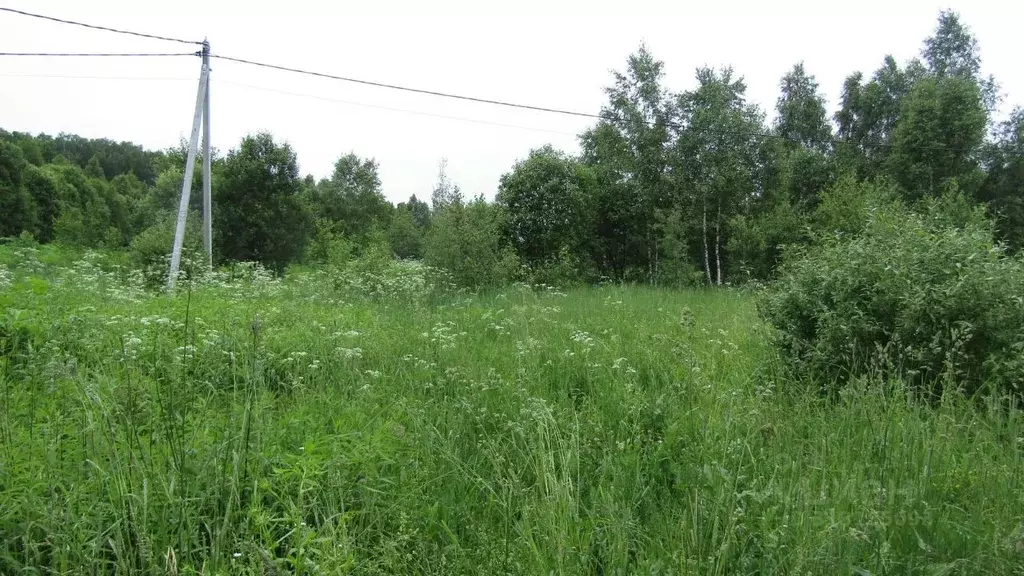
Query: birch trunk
[[718, 244], [704, 228]]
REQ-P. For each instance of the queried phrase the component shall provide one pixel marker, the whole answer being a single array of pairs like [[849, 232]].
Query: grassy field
[[360, 422]]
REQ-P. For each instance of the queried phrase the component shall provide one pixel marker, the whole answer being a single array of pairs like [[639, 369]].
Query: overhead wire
[[99, 54], [96, 27], [602, 116], [402, 110], [404, 88], [85, 77], [297, 94]]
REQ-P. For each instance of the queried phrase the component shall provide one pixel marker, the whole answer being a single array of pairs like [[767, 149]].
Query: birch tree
[[715, 157]]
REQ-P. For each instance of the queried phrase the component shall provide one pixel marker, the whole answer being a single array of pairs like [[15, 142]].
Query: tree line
[[670, 188]]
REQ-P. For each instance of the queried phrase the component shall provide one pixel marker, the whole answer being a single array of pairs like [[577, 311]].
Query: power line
[[752, 135], [408, 89], [403, 110], [95, 27], [80, 77], [299, 94], [98, 54], [602, 116]]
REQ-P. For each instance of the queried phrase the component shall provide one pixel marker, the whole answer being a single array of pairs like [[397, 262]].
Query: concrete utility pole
[[207, 174], [200, 118]]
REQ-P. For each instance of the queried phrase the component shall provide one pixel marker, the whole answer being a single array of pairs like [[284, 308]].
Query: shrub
[[151, 249], [912, 295], [466, 241], [565, 269]]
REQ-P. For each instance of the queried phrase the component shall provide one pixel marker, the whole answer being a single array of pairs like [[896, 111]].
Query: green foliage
[[151, 250], [717, 159], [846, 207], [42, 190], [800, 111], [327, 246], [466, 241], [628, 154], [674, 266], [339, 422], [15, 203], [260, 217], [445, 193], [543, 199], [1002, 188], [869, 113], [420, 211], [404, 237], [939, 132], [665, 182], [757, 243], [922, 297], [351, 199]]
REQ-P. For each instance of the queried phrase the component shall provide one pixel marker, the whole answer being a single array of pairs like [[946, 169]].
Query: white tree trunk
[[718, 244], [704, 228], [655, 262]]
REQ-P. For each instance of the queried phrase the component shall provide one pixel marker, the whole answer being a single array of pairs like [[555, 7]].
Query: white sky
[[553, 53]]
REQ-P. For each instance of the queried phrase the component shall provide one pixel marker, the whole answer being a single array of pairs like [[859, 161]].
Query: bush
[[378, 276], [327, 246], [564, 270], [466, 241], [151, 250], [912, 295]]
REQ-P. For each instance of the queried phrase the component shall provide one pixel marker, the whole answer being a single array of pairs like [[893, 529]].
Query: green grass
[[315, 426]]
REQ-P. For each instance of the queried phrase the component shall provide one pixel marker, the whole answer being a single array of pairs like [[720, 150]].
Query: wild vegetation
[[705, 345], [379, 421]]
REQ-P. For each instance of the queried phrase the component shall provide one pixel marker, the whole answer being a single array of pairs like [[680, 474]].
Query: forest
[[670, 188]]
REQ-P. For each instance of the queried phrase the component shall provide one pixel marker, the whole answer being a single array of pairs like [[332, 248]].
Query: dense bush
[[924, 296], [151, 249], [466, 241]]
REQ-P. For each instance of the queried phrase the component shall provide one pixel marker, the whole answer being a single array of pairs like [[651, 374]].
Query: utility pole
[[202, 113], [207, 174]]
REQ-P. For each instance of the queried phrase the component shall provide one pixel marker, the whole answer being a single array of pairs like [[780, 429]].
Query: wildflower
[[350, 353]]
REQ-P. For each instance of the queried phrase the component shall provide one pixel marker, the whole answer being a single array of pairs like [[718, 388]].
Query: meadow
[[375, 420]]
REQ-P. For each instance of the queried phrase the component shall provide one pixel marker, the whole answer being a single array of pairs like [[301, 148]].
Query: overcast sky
[[552, 53]]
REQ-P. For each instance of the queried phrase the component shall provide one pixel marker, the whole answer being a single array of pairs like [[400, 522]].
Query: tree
[[1003, 188], [800, 111], [542, 199], [627, 151], [351, 199], [405, 237], [869, 113], [42, 189], [716, 159], [757, 241], [803, 164], [85, 213], [15, 204], [467, 241], [939, 132], [260, 217], [675, 267], [952, 51], [420, 211], [445, 193]]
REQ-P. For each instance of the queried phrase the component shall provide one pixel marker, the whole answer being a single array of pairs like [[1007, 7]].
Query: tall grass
[[323, 424]]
